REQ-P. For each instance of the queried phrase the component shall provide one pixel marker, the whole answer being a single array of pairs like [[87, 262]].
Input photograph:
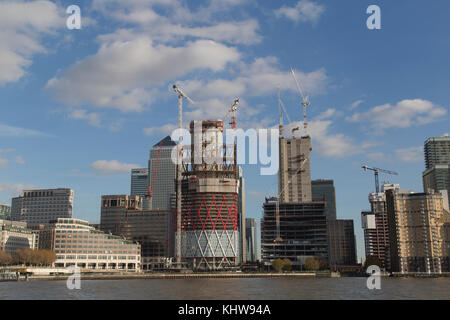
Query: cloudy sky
[[80, 108]]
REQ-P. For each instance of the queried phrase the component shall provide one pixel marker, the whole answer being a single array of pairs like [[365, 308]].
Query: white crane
[[181, 96], [305, 101]]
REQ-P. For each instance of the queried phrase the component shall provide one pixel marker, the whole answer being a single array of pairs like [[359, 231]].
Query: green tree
[[372, 261], [312, 264], [322, 263], [277, 265], [287, 265]]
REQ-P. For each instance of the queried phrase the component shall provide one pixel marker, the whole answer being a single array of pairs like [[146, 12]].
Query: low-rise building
[[15, 235], [5, 212], [78, 244]]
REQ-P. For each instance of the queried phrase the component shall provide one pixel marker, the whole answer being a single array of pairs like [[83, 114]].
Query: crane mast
[[376, 171]]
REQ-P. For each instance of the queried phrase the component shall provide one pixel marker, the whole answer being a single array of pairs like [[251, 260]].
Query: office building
[[161, 175], [139, 185], [251, 240], [5, 212], [342, 242], [15, 235], [324, 189], [42, 206], [302, 232], [78, 244], [123, 215], [436, 176], [294, 176], [417, 230]]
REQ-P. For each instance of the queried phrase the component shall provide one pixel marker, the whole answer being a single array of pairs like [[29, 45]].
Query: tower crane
[[181, 96], [376, 172], [305, 101], [233, 110]]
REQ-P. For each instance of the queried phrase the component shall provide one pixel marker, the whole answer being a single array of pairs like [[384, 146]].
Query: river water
[[231, 289]]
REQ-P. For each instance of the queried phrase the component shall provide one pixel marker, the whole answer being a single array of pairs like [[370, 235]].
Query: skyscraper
[[294, 176], [251, 240], [324, 189], [342, 243], [139, 184], [162, 174], [241, 214], [437, 163], [42, 206]]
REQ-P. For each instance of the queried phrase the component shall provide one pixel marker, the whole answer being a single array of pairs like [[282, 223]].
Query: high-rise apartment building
[[294, 176], [251, 240], [5, 212], [42, 206], [241, 214], [342, 242], [324, 189], [139, 185], [418, 224], [161, 175], [437, 163], [375, 225], [123, 215]]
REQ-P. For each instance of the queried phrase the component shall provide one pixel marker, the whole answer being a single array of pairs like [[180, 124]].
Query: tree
[[372, 261], [287, 265], [5, 258], [48, 257], [277, 265], [312, 264], [322, 263]]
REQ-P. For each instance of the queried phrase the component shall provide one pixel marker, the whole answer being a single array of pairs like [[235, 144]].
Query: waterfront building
[[78, 244], [342, 242], [153, 229], [5, 212], [42, 206], [241, 213], [161, 175], [302, 232], [15, 235], [139, 185], [418, 225], [251, 240], [324, 189]]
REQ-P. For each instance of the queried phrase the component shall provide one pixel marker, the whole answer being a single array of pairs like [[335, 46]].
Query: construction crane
[[376, 172], [181, 96], [278, 239], [305, 101], [233, 110]]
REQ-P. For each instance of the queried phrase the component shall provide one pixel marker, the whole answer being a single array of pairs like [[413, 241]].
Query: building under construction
[[210, 223]]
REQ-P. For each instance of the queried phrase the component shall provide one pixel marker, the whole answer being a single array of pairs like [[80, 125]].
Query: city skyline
[[374, 106]]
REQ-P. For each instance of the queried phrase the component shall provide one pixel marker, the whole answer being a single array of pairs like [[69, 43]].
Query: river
[[231, 289]]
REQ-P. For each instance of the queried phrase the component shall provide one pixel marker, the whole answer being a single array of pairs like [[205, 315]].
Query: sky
[[81, 107]]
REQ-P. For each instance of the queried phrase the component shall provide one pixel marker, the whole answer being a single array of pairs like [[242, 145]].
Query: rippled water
[[224, 289]]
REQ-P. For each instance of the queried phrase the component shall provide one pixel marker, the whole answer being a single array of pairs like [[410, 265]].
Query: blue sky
[[79, 108]]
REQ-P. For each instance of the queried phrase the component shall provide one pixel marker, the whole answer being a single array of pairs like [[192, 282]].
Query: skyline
[[70, 121]]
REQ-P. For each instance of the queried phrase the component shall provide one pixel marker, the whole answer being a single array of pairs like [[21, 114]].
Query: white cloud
[[138, 64], [11, 131], [404, 114], [16, 189], [161, 130], [355, 104], [303, 11], [412, 154], [92, 118], [22, 25], [112, 166], [3, 162]]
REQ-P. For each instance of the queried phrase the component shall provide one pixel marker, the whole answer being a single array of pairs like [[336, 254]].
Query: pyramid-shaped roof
[[166, 142]]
